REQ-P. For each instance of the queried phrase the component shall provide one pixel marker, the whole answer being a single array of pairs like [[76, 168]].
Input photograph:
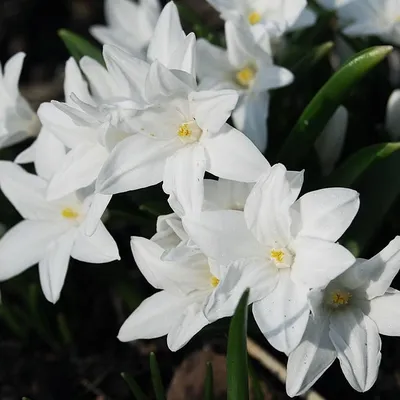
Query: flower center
[[69, 213], [214, 281], [254, 18], [245, 76], [339, 298], [283, 258], [189, 132]]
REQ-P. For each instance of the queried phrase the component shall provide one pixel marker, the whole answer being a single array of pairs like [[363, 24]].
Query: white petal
[[233, 156], [250, 116], [97, 249], [168, 35], [80, 168], [129, 72], [375, 275], [311, 358], [393, 115], [283, 314], [49, 154], [317, 261], [306, 18], [212, 108], [190, 323], [25, 244], [177, 277], [267, 208], [53, 267], [63, 126], [26, 192], [102, 86], [12, 72], [74, 83], [330, 143], [154, 317], [135, 163], [183, 179], [325, 213], [183, 58], [97, 208], [212, 61], [162, 81], [358, 345], [28, 155], [272, 77], [223, 235], [385, 312], [237, 277]]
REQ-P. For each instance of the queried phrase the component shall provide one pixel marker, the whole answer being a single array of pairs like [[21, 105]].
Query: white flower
[[393, 115], [293, 240], [248, 69], [273, 17], [330, 143], [372, 17], [195, 291], [51, 231], [347, 319], [130, 25], [17, 120], [189, 125]]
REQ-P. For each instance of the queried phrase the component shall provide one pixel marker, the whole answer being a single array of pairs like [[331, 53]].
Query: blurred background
[[70, 351]]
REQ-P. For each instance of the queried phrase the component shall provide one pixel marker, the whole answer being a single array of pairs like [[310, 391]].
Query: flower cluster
[[159, 111]]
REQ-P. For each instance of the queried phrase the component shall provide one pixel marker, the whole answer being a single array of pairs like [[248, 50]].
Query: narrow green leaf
[[209, 383], [358, 163], [255, 384], [156, 378], [379, 188], [237, 362], [79, 47], [135, 388], [311, 58], [63, 327], [326, 101]]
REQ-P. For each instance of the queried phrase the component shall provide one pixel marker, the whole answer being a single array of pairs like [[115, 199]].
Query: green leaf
[[358, 163], [379, 188], [237, 362], [156, 378], [325, 102], [79, 47], [135, 388], [209, 383], [311, 58]]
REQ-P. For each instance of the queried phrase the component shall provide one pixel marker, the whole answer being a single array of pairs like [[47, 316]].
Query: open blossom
[[195, 290], [292, 239], [348, 316], [372, 17], [51, 231], [248, 69], [188, 124], [130, 25], [17, 120], [266, 17]]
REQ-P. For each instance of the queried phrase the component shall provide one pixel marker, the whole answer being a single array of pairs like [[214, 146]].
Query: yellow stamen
[[277, 255], [340, 298], [214, 281], [184, 131], [254, 18], [69, 213], [245, 76]]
